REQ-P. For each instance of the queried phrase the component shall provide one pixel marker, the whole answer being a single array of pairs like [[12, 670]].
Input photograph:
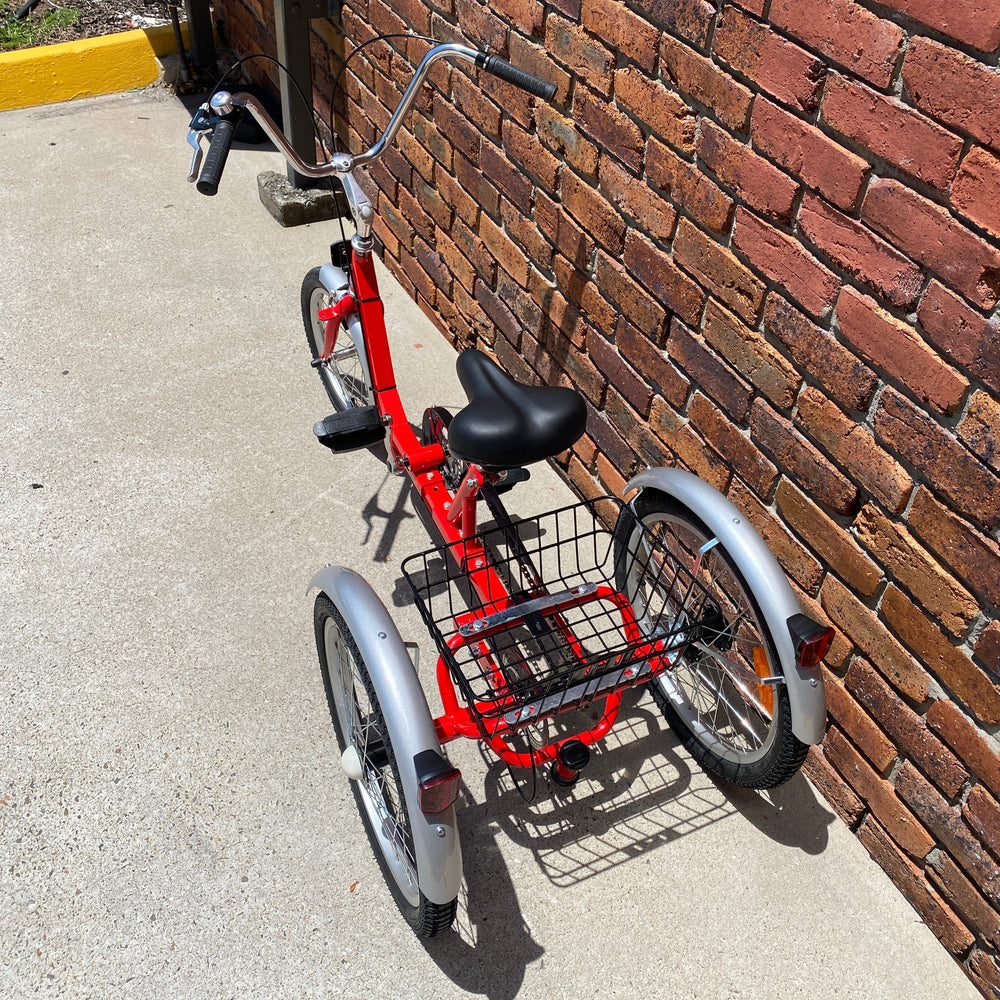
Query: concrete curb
[[86, 68]]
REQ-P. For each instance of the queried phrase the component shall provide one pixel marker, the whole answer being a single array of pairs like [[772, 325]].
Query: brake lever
[[194, 140]]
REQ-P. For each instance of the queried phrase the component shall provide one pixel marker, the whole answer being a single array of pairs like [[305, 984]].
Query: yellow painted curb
[[86, 68]]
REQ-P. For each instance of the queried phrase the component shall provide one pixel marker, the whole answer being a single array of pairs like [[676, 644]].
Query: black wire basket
[[570, 611]]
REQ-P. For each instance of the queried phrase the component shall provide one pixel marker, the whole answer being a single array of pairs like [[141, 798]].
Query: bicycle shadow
[[490, 946]]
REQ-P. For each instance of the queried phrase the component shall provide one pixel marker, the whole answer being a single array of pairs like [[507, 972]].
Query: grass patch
[[34, 30]]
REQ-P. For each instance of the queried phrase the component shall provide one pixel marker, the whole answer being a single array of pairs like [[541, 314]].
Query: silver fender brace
[[408, 718], [765, 578]]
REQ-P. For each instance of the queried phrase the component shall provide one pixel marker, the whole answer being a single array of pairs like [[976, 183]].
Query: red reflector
[[441, 791], [811, 651]]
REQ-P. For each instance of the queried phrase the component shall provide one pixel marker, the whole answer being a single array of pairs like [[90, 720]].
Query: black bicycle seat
[[508, 424]]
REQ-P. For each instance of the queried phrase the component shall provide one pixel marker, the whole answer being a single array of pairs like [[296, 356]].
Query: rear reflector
[[441, 791], [811, 640], [438, 783]]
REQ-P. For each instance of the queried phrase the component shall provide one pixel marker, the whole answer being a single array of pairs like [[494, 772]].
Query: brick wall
[[763, 239]]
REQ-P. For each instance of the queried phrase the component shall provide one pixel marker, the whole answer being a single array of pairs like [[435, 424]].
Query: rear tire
[[359, 722], [741, 733]]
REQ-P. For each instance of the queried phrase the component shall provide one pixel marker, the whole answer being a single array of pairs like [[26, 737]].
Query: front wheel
[[736, 726], [360, 724], [345, 376]]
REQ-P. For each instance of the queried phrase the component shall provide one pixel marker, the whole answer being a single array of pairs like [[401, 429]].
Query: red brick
[[527, 151], [963, 896], [474, 250], [561, 135], [892, 131], [474, 181], [906, 728], [805, 151], [954, 88], [863, 627], [612, 130], [687, 448], [436, 267], [562, 231], [807, 466], [962, 735], [584, 56], [594, 213], [907, 877], [616, 283], [854, 449], [457, 197], [978, 428], [619, 373], [645, 357], [895, 347], [719, 270], [707, 370], [559, 313], [655, 270], [832, 787], [948, 662], [481, 25], [976, 22], [976, 191], [691, 19], [476, 106], [506, 322], [687, 187], [756, 181], [902, 825], [656, 106], [508, 177], [845, 32], [961, 333], [946, 824], [776, 65], [736, 449], [526, 15], [751, 355], [840, 374], [914, 568], [582, 290], [935, 451], [852, 719], [984, 972], [623, 30], [800, 564], [974, 556], [982, 814], [783, 259], [523, 231], [631, 195], [508, 255], [828, 540], [860, 252], [698, 77], [988, 647]]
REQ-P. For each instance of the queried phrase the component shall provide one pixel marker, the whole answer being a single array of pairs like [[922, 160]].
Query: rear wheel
[[715, 698], [345, 376], [360, 724]]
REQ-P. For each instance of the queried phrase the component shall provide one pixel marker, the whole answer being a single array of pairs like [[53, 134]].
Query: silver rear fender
[[763, 575]]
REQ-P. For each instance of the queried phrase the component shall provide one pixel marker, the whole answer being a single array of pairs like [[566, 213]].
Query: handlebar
[[221, 115]]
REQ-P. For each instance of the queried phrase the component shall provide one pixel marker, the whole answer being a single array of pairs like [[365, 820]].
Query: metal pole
[[199, 18], [291, 23]]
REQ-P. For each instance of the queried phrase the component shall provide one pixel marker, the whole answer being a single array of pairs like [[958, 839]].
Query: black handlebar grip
[[519, 77], [218, 152]]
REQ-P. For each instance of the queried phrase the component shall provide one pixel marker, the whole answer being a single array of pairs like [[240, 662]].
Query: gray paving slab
[[173, 818]]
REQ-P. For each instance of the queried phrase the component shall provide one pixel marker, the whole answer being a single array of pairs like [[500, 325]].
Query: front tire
[[345, 377], [359, 723], [739, 731]]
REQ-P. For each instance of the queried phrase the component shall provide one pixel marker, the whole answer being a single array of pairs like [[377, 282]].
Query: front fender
[[763, 575], [408, 719]]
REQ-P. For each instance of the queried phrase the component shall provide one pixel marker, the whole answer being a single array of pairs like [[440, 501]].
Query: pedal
[[511, 478], [350, 430]]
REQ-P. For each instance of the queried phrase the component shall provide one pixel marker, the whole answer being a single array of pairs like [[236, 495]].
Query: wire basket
[[566, 611]]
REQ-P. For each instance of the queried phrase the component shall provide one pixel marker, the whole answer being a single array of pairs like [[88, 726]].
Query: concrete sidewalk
[[173, 818]]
